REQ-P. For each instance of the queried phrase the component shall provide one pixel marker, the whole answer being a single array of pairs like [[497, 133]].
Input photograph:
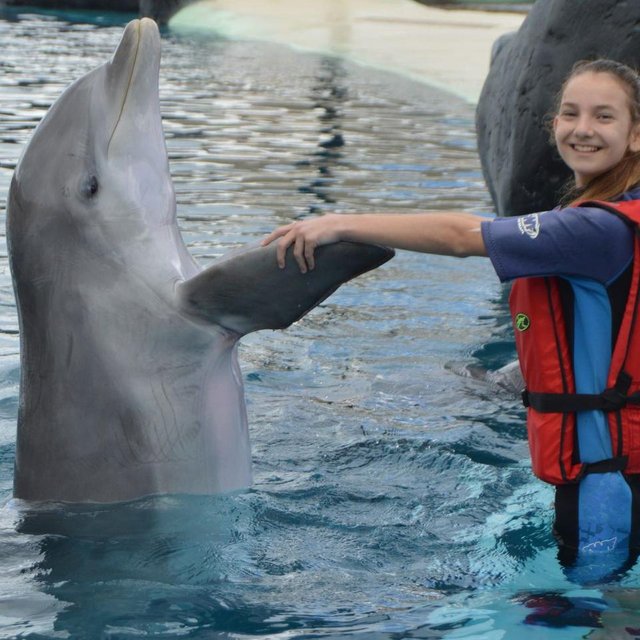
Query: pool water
[[393, 496]]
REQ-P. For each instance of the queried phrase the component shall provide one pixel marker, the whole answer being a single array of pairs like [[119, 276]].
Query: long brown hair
[[626, 174]]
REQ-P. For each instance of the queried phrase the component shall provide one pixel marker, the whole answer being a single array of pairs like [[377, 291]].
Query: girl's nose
[[584, 126]]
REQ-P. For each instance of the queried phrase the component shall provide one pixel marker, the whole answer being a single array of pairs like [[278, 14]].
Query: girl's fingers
[[309, 257], [299, 253], [299, 235], [281, 251], [269, 239], [275, 234]]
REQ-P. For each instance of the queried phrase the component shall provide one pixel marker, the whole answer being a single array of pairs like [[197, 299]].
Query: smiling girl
[[576, 273]]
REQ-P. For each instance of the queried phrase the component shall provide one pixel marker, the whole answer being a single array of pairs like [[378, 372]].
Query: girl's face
[[593, 128]]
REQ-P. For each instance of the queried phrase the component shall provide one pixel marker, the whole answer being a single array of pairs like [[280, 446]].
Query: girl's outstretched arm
[[454, 234]]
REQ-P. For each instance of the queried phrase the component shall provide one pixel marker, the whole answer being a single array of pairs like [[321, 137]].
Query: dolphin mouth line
[[126, 93]]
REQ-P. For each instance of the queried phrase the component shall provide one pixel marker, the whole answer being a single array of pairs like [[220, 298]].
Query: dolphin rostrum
[[130, 384]]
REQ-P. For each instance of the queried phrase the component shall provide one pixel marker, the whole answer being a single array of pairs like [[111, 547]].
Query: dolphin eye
[[90, 187]]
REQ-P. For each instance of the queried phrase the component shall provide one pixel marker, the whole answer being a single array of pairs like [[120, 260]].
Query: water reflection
[[138, 569], [328, 96]]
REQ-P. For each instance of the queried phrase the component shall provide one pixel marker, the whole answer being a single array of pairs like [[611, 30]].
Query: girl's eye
[[605, 116], [568, 114]]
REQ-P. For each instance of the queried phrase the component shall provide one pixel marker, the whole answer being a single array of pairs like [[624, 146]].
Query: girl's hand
[[305, 236]]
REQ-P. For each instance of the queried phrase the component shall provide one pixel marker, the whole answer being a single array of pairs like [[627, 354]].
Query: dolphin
[[130, 384]]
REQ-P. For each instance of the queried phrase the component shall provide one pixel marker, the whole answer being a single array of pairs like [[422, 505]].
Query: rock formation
[[521, 168]]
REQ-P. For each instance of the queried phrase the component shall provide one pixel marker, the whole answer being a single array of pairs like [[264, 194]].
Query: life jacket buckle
[[613, 399]]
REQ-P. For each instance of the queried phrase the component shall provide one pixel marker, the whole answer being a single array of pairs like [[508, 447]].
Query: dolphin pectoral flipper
[[247, 291]]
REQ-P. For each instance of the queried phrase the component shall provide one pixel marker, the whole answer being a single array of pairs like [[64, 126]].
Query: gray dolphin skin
[[130, 384]]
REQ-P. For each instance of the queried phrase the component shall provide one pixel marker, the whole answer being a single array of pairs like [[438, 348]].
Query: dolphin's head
[[97, 163]]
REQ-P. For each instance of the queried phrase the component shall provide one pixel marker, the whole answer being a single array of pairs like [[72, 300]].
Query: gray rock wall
[[520, 166]]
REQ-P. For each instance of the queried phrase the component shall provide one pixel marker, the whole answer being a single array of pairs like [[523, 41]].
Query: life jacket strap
[[612, 399], [605, 466]]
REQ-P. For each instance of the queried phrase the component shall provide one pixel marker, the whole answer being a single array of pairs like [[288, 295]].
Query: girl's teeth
[[581, 147]]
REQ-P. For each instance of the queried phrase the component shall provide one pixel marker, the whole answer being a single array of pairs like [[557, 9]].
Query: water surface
[[392, 497]]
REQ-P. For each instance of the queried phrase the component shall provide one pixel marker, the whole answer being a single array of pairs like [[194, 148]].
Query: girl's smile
[[593, 128], [582, 148]]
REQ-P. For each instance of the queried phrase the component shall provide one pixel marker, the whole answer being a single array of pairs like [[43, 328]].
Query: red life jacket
[[547, 368]]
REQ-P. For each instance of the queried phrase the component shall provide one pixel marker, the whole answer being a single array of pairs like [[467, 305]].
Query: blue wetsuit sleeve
[[579, 241]]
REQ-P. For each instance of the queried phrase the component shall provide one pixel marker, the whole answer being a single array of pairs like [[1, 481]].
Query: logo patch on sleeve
[[530, 225]]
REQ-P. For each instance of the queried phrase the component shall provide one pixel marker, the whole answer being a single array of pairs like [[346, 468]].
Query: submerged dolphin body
[[130, 384]]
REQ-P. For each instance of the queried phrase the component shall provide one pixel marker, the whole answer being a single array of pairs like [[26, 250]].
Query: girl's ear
[[554, 126], [634, 138]]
